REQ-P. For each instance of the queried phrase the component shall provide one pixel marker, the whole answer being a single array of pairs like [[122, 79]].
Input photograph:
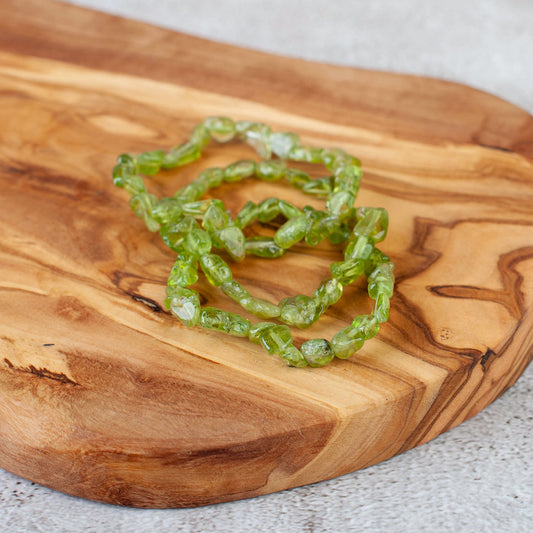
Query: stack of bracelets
[[194, 228]]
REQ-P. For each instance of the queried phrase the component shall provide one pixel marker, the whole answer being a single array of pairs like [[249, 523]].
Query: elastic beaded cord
[[178, 219]]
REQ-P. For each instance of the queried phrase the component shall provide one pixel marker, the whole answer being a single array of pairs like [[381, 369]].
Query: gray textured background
[[476, 477]]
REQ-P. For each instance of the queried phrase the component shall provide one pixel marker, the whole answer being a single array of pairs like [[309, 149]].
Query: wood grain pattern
[[103, 395]]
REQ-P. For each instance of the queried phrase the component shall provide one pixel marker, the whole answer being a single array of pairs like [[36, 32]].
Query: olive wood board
[[104, 395]]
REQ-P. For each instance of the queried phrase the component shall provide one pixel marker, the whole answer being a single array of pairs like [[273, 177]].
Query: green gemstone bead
[[212, 177], [367, 327], [288, 210], [184, 272], [291, 232], [317, 352], [326, 294], [299, 311], [238, 326], [339, 234], [307, 154], [173, 235], [246, 215], [235, 290], [315, 230], [269, 170], [341, 163], [346, 342], [200, 136], [192, 192], [215, 217], [232, 240], [263, 247], [181, 155], [257, 329], [259, 307], [297, 178], [198, 208], [150, 162], [222, 129], [381, 280], [374, 259], [134, 185], [283, 142], [275, 339], [268, 209], [239, 170], [219, 320], [142, 205], [382, 308], [358, 248], [184, 304], [340, 204], [127, 160], [319, 186], [293, 357], [216, 270], [348, 179], [167, 211], [372, 222], [330, 155], [348, 271], [197, 242], [257, 136]]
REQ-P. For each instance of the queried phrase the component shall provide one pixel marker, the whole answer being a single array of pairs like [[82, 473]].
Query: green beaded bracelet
[[194, 228]]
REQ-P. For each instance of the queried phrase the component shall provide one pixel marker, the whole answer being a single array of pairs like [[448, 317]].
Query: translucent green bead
[[331, 155], [299, 311], [198, 208], [219, 320], [197, 242], [120, 174], [216, 270], [212, 177], [326, 294], [307, 154], [173, 235], [293, 357], [246, 215], [381, 280], [181, 155], [268, 209], [343, 162], [317, 352], [259, 307], [269, 170], [340, 203], [291, 232], [315, 230], [374, 259], [191, 192], [238, 326], [372, 222], [142, 205], [319, 186], [275, 339], [339, 234], [288, 210], [257, 329], [239, 170], [200, 136], [263, 247], [184, 304], [167, 211], [297, 178], [232, 240], [358, 248], [222, 129], [348, 179], [348, 271], [346, 342], [282, 143], [127, 160], [215, 216], [258, 137], [235, 290], [382, 308], [366, 327], [150, 162], [134, 185], [184, 272]]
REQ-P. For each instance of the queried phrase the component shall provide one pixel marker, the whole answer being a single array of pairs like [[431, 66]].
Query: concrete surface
[[476, 477]]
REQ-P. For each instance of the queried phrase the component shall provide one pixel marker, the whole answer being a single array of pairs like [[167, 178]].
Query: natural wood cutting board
[[104, 395]]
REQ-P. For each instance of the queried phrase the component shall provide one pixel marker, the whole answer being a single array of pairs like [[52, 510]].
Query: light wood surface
[[105, 396]]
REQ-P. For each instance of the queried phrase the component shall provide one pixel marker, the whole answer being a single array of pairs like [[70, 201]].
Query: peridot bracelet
[[177, 220]]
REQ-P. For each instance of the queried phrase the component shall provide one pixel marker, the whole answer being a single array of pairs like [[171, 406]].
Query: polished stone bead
[[340, 233], [246, 215], [283, 142], [275, 339], [191, 192], [317, 352], [288, 210], [238, 326], [319, 186], [222, 129], [167, 211], [173, 235], [340, 204], [212, 177], [269, 170], [200, 136], [239, 170], [184, 272], [326, 294], [235, 290], [367, 327], [142, 205], [346, 342], [134, 185], [215, 216], [348, 179], [291, 232], [181, 155], [232, 240], [341, 163], [184, 304], [257, 329], [315, 230], [197, 242], [382, 308], [257, 136], [330, 155], [348, 271], [299, 311], [381, 280], [268, 209], [150, 162], [293, 357], [358, 248], [307, 154], [219, 320], [374, 259], [259, 307], [198, 208], [296, 178], [263, 247], [372, 223], [216, 270]]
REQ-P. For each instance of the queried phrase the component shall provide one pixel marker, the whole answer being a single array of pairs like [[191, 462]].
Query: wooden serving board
[[104, 395]]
